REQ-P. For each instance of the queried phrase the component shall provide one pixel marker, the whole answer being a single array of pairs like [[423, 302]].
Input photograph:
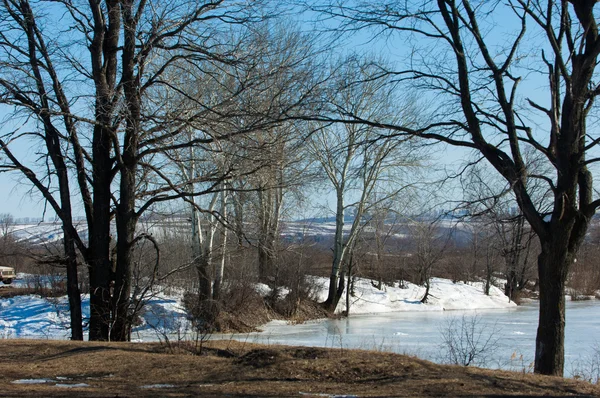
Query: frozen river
[[419, 333]]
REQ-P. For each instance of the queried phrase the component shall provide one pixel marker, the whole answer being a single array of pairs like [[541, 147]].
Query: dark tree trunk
[[553, 263], [509, 287], [99, 297], [267, 256], [121, 300], [340, 290], [335, 292], [73, 288], [204, 278], [99, 261], [265, 261], [104, 48], [426, 295], [330, 303], [126, 215]]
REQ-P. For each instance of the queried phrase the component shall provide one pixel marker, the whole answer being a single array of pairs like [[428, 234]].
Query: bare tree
[[479, 73], [6, 224], [355, 163], [431, 242], [491, 203], [95, 116]]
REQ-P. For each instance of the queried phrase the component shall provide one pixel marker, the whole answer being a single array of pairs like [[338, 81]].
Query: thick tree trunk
[[335, 291], [511, 281], [126, 224], [553, 264], [99, 259], [100, 269], [270, 202], [267, 259], [126, 215], [126, 221], [104, 47]]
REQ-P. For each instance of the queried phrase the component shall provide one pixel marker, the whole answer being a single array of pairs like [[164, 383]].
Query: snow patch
[[78, 385], [158, 386], [31, 381], [443, 295]]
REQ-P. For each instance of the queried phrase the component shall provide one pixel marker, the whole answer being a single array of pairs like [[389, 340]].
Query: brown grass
[[238, 369]]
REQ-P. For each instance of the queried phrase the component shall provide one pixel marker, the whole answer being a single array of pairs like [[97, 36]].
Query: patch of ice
[[158, 386], [77, 385], [31, 381]]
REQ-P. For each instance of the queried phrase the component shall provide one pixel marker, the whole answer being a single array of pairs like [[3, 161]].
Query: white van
[[7, 274]]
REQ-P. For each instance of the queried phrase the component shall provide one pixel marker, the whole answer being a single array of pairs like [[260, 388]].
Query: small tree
[[468, 341], [358, 167], [431, 242]]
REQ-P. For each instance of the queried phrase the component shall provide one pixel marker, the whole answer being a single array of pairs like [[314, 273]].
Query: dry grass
[[238, 369]]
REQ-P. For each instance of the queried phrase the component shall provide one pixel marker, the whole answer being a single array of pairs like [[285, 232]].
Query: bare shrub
[[468, 341], [588, 367], [295, 265], [48, 284]]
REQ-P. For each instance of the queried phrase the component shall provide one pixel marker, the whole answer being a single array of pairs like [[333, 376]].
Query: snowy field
[[37, 317]]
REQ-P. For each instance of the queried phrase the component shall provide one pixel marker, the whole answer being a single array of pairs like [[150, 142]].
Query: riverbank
[[27, 315], [32, 368]]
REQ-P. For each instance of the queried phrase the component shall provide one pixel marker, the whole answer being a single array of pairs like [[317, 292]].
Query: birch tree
[[355, 163]]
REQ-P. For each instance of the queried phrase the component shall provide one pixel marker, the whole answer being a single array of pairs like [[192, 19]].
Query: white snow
[[443, 295], [77, 385], [158, 386], [31, 381], [265, 290], [37, 317]]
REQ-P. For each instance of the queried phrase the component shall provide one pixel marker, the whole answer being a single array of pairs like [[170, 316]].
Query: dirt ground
[[35, 368]]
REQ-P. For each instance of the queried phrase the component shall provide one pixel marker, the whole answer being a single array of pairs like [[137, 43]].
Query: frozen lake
[[419, 333]]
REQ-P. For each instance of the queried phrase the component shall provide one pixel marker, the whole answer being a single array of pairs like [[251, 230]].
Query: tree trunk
[[220, 268], [489, 272], [553, 264], [100, 268], [511, 281], [126, 215], [340, 291], [426, 295], [335, 287], [126, 224], [270, 202], [202, 264], [338, 255], [265, 261], [73, 288]]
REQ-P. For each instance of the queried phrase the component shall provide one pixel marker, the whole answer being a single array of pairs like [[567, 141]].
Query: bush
[[588, 367], [468, 341]]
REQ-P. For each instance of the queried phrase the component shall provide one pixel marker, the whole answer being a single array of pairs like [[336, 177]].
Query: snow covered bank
[[443, 295], [37, 317]]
